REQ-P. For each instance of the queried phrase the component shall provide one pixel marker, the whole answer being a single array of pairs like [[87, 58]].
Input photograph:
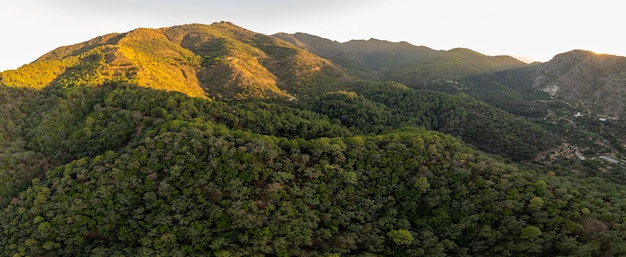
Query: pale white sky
[[535, 29]]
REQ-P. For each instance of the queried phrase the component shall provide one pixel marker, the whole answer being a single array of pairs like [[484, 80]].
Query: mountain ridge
[[596, 87], [375, 59], [150, 58], [225, 61], [401, 61]]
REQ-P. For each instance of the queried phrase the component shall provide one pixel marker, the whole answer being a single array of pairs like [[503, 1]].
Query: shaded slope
[[454, 64], [18, 165], [388, 106], [593, 83], [402, 62], [370, 59], [590, 83], [585, 82], [45, 128], [510, 90]]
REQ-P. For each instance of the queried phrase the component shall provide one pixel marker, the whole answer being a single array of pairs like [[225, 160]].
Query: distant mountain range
[[593, 83], [402, 62], [223, 60]]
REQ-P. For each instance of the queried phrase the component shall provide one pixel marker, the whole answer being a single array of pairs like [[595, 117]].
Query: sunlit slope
[[216, 61]]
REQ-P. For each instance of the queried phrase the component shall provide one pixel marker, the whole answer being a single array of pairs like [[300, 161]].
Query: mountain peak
[[574, 54], [590, 81], [217, 60]]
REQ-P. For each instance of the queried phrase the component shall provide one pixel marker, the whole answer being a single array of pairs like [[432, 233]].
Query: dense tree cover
[[356, 112], [496, 89], [591, 134], [38, 74], [128, 171], [17, 165], [43, 129], [72, 122], [194, 188], [510, 90], [387, 106]]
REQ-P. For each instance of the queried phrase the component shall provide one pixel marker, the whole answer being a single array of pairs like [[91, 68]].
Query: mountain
[[550, 93], [369, 59], [224, 61], [592, 83], [213, 140], [403, 62], [588, 81], [576, 95], [457, 70], [217, 61]]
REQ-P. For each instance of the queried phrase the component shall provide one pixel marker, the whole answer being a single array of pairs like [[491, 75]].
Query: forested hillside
[[377, 107], [137, 172], [212, 140]]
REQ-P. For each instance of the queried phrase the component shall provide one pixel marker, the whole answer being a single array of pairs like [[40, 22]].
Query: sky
[[531, 29]]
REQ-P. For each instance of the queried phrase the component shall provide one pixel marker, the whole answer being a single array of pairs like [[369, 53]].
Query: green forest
[[120, 170], [212, 140]]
